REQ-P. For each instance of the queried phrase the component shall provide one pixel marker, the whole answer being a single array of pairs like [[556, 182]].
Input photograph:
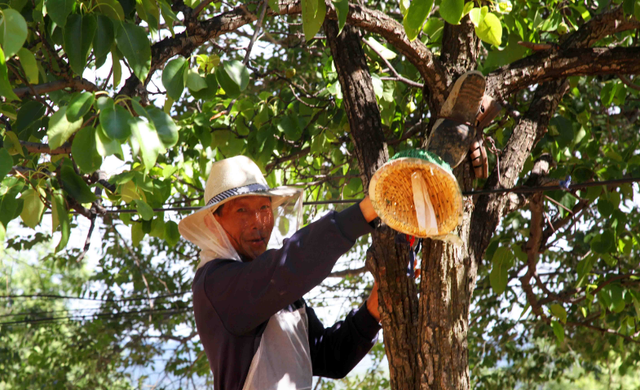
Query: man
[[256, 330]]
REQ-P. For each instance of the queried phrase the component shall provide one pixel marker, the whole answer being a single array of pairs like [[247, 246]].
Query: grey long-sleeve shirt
[[234, 300]]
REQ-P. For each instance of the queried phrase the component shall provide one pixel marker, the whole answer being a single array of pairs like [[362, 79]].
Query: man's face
[[248, 221]]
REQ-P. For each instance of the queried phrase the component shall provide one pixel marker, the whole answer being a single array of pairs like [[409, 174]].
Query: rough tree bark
[[386, 258]]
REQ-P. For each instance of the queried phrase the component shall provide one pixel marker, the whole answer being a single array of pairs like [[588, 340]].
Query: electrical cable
[[518, 190], [98, 315]]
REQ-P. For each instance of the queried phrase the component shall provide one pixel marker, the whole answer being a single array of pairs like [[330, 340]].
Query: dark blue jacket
[[234, 300]]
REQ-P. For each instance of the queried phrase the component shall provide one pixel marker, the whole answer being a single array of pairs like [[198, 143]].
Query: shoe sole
[[463, 103]]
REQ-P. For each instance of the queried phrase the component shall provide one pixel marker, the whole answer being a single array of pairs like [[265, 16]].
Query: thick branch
[[599, 27], [531, 126], [417, 53], [550, 65], [460, 47]]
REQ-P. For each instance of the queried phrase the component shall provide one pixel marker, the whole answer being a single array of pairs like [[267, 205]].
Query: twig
[[415, 129], [78, 84], [398, 77], [537, 46], [302, 101], [87, 241], [628, 82], [144, 279], [348, 272], [35, 147], [256, 32], [202, 6]]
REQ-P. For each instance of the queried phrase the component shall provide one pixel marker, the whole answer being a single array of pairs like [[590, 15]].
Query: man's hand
[[372, 302], [367, 209]]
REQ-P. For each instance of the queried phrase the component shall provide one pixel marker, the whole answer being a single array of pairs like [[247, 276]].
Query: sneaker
[[454, 130]]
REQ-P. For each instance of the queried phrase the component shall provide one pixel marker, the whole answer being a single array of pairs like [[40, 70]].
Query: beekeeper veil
[[229, 179]]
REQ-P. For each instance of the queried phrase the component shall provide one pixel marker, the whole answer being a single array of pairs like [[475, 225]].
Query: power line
[[98, 315], [54, 296], [518, 190]]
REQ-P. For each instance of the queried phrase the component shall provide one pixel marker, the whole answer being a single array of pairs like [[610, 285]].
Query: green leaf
[[116, 122], [29, 65], [558, 330], [168, 15], [451, 10], [146, 136], [150, 11], [145, 211], [84, 150], [10, 205], [166, 128], [106, 146], [209, 92], [75, 186], [342, 10], [13, 32], [111, 8], [512, 52], [5, 86], [104, 37], [133, 43], [32, 208], [60, 216], [612, 296], [171, 233], [490, 29], [476, 16], [416, 15], [117, 67], [603, 243], [559, 312], [79, 106], [174, 77], [605, 207], [378, 87], [78, 36], [60, 129], [195, 82], [501, 263], [273, 4], [467, 8], [3, 232], [58, 10], [6, 163], [313, 13], [607, 93], [584, 268], [12, 144], [136, 234], [289, 128], [233, 77]]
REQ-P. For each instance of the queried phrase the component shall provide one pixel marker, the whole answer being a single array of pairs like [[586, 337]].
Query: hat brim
[[279, 196], [391, 195]]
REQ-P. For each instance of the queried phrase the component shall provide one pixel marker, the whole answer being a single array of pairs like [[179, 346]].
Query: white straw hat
[[229, 179]]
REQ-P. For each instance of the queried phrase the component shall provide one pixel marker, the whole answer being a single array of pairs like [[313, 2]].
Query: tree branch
[[588, 34], [398, 77], [550, 65], [34, 147], [77, 84], [348, 272], [530, 127]]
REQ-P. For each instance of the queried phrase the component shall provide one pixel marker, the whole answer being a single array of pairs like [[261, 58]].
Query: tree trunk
[[387, 258], [426, 326]]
